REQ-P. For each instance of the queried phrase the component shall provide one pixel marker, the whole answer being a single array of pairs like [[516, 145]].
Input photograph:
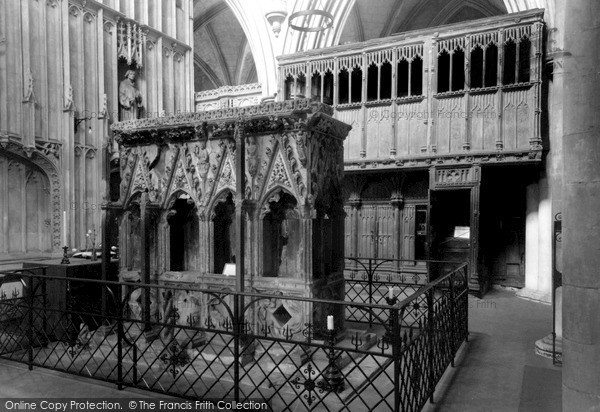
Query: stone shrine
[[178, 201]]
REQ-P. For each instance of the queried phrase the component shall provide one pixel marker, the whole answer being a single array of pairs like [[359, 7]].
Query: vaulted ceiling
[[369, 19], [222, 56]]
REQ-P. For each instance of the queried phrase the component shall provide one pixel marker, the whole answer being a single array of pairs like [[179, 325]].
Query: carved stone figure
[[203, 159], [130, 99]]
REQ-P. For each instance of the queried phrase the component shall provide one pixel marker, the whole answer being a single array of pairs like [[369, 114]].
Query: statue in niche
[[130, 99], [283, 241], [291, 246]]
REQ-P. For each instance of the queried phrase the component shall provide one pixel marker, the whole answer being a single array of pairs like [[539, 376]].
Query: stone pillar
[[581, 201], [531, 237], [538, 243], [545, 242]]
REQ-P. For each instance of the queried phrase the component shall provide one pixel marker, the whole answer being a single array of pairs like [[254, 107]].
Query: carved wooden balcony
[[456, 94]]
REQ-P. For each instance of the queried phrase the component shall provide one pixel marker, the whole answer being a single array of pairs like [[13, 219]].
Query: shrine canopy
[[185, 165], [295, 146]]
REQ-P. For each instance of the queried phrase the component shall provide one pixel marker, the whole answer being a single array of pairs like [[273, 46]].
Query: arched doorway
[[25, 208], [224, 234], [183, 234]]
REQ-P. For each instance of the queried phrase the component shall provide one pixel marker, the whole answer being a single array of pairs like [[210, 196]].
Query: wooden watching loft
[[453, 101]]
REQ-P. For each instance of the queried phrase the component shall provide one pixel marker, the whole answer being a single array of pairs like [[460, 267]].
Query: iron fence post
[[453, 322], [120, 337], [30, 328], [236, 346], [466, 302], [44, 305], [370, 280], [431, 341], [396, 346]]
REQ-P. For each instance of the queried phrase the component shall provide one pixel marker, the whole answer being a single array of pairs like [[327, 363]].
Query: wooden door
[[376, 231]]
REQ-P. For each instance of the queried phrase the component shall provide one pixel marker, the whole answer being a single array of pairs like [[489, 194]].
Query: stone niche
[[178, 186]]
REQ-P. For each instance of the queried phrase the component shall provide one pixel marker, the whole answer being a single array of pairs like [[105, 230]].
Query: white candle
[[330, 322], [391, 292], [64, 228]]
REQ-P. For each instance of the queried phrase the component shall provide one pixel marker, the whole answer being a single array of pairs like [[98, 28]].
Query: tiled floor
[[496, 370]]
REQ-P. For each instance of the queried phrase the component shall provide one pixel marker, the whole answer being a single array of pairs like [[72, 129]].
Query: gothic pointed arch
[[274, 195], [44, 177], [219, 197]]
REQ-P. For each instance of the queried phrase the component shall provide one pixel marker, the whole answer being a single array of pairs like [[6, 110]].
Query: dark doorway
[[183, 224], [502, 224], [450, 226], [224, 234]]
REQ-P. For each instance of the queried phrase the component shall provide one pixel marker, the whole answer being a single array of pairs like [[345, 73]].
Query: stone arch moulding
[[49, 168], [273, 196], [133, 200], [218, 198], [254, 25], [176, 194]]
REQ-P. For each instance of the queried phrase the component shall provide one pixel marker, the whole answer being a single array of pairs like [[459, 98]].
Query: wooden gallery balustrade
[[456, 94]]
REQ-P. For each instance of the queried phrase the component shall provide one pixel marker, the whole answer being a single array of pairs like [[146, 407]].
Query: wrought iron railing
[[369, 280], [226, 347]]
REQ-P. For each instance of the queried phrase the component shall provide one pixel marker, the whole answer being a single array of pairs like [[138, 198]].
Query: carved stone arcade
[[185, 166]]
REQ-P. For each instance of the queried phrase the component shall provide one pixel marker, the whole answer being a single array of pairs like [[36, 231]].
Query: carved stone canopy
[[291, 192], [295, 146]]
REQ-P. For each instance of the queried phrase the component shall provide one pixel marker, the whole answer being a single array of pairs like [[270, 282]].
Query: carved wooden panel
[[353, 143], [455, 177], [366, 230], [411, 128], [349, 230], [377, 236], [379, 132], [516, 119], [483, 118], [408, 232], [386, 238], [450, 124]]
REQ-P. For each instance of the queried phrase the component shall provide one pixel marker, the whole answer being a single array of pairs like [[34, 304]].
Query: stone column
[[538, 243], [581, 201], [545, 242], [531, 237]]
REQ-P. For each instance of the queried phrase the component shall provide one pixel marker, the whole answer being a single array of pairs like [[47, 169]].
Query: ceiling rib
[[219, 52], [210, 73], [210, 14]]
